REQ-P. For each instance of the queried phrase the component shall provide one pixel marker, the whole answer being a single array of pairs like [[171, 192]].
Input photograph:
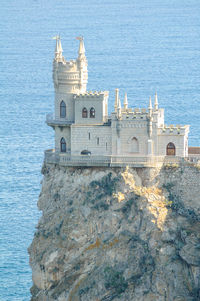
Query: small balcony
[[51, 120], [51, 156]]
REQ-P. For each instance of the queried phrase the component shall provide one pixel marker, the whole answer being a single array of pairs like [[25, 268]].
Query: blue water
[[138, 46]]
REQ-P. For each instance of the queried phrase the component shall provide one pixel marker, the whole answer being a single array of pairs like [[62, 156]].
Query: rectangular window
[[98, 141]]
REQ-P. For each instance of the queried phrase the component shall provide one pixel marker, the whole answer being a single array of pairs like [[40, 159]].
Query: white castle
[[86, 135]]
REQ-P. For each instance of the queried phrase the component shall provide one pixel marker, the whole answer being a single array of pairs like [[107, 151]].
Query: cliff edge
[[117, 234]]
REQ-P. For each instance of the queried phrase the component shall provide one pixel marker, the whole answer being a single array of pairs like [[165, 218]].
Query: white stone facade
[[84, 128]]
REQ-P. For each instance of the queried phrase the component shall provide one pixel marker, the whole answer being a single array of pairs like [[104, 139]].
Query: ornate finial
[[56, 38], [80, 38], [125, 102], [156, 102]]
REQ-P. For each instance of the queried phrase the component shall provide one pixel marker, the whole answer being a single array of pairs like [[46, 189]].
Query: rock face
[[117, 234]]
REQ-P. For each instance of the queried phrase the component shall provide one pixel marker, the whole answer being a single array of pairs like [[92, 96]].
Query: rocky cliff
[[117, 234]]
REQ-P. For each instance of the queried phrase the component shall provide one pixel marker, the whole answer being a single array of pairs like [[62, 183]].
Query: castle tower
[[69, 77]]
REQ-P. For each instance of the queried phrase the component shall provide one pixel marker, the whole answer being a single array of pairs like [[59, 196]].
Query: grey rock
[[117, 234]]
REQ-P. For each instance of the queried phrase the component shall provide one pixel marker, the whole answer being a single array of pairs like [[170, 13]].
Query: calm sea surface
[[138, 46]]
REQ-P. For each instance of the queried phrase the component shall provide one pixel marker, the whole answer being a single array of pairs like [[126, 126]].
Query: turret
[[70, 77], [116, 99], [125, 102], [150, 117], [119, 109], [58, 49], [156, 102], [150, 107], [81, 51]]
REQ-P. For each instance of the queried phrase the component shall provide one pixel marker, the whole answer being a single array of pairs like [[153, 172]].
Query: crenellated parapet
[[89, 94], [174, 130], [136, 114]]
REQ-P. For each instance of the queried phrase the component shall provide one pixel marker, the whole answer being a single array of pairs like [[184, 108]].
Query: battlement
[[175, 129], [89, 94], [132, 115]]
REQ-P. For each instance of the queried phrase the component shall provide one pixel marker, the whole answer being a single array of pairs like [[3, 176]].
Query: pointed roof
[[119, 104], [58, 48], [156, 102], [150, 104], [119, 108], [116, 98], [60, 45], [150, 107], [81, 50], [57, 44]]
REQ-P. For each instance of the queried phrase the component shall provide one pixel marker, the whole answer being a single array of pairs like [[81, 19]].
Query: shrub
[[114, 280]]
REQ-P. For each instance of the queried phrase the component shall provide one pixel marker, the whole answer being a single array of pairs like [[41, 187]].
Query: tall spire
[[58, 49], [119, 104], [119, 109], [150, 106], [57, 46], [156, 102], [116, 99], [82, 66], [150, 118], [60, 46], [81, 51], [125, 102]]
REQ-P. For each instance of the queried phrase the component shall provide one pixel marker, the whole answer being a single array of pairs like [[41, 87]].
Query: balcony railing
[[52, 120], [89, 160]]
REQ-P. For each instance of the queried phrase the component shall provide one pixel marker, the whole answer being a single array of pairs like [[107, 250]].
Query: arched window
[[171, 150], [92, 113], [134, 145], [84, 113], [63, 145], [62, 109]]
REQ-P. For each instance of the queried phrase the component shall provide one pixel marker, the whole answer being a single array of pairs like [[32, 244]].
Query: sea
[[138, 46]]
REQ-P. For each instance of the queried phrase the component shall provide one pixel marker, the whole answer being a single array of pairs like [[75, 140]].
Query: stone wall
[[64, 132], [96, 139]]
